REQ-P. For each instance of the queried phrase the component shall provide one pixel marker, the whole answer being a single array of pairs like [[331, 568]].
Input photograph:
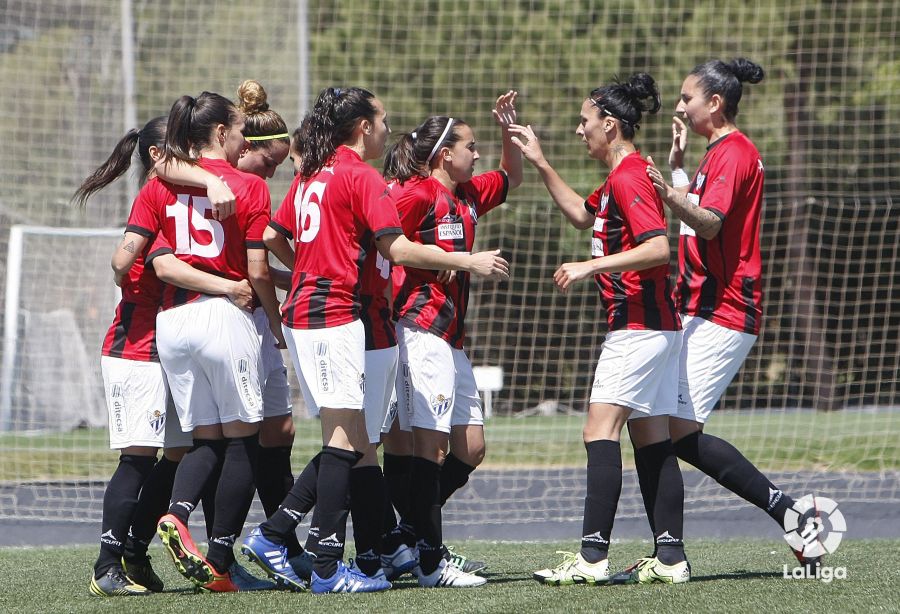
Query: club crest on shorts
[[362, 382], [440, 404], [392, 412], [157, 420]]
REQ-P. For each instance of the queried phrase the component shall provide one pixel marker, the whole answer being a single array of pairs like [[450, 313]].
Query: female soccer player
[[440, 200], [209, 348], [719, 289], [635, 378], [138, 492], [337, 207]]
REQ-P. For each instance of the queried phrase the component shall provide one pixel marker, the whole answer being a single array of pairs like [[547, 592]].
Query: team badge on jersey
[[440, 404], [157, 420], [701, 179], [604, 200]]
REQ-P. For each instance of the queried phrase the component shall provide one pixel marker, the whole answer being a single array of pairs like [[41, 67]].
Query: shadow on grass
[[737, 575]]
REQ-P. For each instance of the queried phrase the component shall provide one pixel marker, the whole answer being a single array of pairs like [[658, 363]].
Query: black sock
[[726, 465], [208, 498], [312, 536], [274, 480], [367, 496], [454, 475], [425, 511], [662, 477], [332, 506], [119, 503], [233, 498], [299, 500], [396, 478], [648, 488], [152, 503], [604, 485], [193, 472]]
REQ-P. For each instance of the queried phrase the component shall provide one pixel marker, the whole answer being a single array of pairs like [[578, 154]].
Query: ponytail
[[330, 124], [191, 124], [413, 154]]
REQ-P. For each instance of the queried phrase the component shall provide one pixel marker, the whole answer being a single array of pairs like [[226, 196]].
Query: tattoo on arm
[[695, 216], [129, 248]]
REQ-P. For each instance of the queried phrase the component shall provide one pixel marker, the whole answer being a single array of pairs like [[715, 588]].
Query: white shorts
[[438, 389], [330, 364], [137, 401], [209, 350], [276, 392], [638, 369], [381, 373], [710, 358]]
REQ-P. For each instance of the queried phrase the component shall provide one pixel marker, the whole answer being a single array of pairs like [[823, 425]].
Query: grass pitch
[[728, 576]]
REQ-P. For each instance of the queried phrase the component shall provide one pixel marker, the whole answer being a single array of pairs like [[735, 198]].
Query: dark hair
[[119, 161], [330, 124], [411, 155], [724, 79], [259, 119], [191, 122], [628, 101]]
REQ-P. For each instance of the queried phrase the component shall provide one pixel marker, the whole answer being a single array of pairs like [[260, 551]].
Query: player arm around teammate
[[636, 374]]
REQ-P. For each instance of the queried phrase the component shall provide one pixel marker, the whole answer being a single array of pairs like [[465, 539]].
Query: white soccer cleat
[[574, 570], [448, 576]]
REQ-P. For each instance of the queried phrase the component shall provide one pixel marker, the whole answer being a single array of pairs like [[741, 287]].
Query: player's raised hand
[[662, 188], [241, 294], [220, 197], [679, 143], [489, 265], [570, 272], [526, 140], [505, 109]]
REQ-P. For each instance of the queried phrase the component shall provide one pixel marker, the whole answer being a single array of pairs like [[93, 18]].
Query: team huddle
[[377, 281]]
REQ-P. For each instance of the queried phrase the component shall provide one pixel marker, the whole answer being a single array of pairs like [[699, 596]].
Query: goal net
[[815, 405]]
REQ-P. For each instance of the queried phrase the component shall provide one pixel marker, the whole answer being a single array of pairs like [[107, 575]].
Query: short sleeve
[[489, 189], [375, 204], [283, 220], [723, 179], [593, 201], [160, 246], [413, 204], [144, 217], [259, 213], [640, 206]]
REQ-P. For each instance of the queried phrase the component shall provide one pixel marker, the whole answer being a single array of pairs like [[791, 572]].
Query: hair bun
[[252, 97], [745, 70], [642, 89]]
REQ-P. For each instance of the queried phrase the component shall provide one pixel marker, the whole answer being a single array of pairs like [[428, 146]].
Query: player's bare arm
[[279, 245], [567, 200], [651, 253], [400, 250], [704, 222], [131, 246], [261, 280], [179, 273], [511, 157], [217, 191]]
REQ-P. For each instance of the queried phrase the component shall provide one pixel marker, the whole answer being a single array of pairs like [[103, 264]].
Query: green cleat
[[114, 583], [652, 571], [574, 570]]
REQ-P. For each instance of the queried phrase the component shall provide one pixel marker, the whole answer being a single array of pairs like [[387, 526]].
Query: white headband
[[440, 140]]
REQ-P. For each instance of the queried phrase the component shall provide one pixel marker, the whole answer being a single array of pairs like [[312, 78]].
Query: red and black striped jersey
[[721, 279], [333, 220], [628, 211], [132, 335], [181, 219], [375, 310], [432, 215]]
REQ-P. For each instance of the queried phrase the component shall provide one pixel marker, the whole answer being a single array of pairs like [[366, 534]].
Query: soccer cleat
[[652, 571], [574, 570], [184, 552], [141, 572], [460, 561], [624, 576], [114, 583], [401, 561], [449, 576], [272, 559], [345, 580], [378, 575]]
